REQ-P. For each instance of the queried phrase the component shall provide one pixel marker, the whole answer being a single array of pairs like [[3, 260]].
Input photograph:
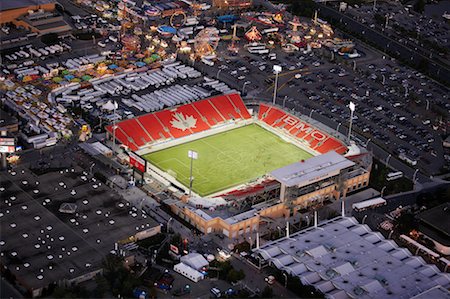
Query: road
[[393, 47]]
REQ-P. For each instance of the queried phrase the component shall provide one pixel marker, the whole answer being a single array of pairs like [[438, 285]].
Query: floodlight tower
[[193, 155], [352, 107], [277, 69]]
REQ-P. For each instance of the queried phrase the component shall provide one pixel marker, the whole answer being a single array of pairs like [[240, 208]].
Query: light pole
[[243, 87], [193, 155], [338, 126], [217, 75], [90, 168], [428, 105], [310, 113], [384, 79], [285, 280], [168, 225], [364, 219], [352, 107], [367, 143], [284, 100], [382, 191], [277, 69], [415, 175], [112, 106], [387, 160]]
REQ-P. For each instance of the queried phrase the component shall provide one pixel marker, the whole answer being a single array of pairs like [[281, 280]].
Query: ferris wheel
[[206, 41]]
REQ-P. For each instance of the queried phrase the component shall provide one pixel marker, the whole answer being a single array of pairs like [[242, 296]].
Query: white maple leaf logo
[[183, 122]]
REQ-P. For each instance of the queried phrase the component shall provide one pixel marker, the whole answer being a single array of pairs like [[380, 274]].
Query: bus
[[369, 204], [394, 175]]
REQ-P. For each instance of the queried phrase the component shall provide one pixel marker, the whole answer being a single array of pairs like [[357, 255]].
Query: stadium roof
[[15, 4], [312, 170], [345, 259]]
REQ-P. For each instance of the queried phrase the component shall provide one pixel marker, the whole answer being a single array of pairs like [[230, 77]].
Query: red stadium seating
[[263, 111], [222, 104], [166, 117], [209, 112], [180, 121], [236, 100], [274, 115], [153, 126], [135, 132], [200, 124], [300, 129]]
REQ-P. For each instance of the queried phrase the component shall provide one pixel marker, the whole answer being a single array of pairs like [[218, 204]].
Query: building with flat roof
[[435, 224], [345, 259]]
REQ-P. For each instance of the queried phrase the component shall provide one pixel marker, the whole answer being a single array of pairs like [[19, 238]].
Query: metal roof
[[312, 170]]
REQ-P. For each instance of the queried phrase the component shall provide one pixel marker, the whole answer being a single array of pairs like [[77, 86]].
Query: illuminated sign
[[137, 162]]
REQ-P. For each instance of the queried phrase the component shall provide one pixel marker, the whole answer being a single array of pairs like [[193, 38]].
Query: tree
[[419, 6]]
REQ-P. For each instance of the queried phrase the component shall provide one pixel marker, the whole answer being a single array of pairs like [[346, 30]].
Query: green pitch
[[227, 159]]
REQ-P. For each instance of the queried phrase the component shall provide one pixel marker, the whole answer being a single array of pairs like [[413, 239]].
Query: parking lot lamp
[[243, 86], [285, 280], [415, 176], [310, 113], [337, 129], [387, 159], [193, 155], [218, 73], [277, 69], [382, 191], [352, 107]]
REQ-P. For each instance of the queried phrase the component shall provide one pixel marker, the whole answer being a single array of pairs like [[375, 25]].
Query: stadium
[[251, 160]]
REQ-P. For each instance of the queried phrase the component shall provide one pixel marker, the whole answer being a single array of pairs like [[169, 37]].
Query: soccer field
[[227, 159]]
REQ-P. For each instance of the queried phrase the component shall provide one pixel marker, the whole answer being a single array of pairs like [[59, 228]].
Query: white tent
[[194, 260], [188, 272]]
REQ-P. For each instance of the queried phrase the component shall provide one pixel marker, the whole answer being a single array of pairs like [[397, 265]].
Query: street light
[[284, 101], [277, 69], [352, 107], [168, 225], [382, 191], [387, 160], [243, 87], [193, 155], [364, 219], [367, 143], [285, 280], [310, 113], [415, 175], [112, 106], [337, 129], [217, 75], [90, 168]]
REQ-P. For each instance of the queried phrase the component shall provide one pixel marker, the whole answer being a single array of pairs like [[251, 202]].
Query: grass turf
[[227, 159]]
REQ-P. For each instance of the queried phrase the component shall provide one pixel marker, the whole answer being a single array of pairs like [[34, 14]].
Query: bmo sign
[[137, 162], [303, 129]]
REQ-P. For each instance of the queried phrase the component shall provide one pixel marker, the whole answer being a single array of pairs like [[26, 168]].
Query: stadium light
[[352, 108], [193, 155], [276, 69]]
